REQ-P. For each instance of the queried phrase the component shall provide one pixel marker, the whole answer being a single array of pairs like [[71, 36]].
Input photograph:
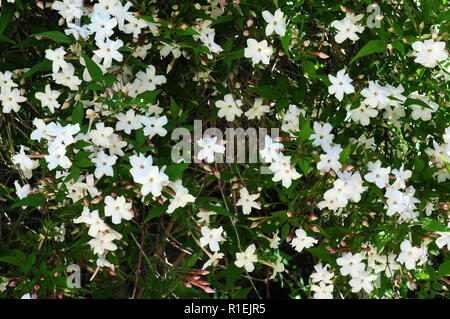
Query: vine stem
[[139, 264]]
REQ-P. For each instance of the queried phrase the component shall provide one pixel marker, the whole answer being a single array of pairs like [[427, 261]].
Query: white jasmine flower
[[247, 201], [229, 108], [340, 85], [258, 51], [247, 258]]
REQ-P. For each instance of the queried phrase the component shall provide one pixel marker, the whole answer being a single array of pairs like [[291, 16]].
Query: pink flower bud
[[314, 228], [312, 217], [322, 172], [36, 287], [246, 33], [40, 4], [187, 284], [13, 283], [289, 237], [112, 272], [34, 295], [209, 290], [320, 55], [60, 296], [249, 22], [365, 222], [289, 214]]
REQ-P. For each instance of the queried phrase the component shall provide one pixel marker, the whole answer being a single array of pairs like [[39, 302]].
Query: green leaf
[[85, 163], [7, 14], [444, 268], [94, 70], [305, 131], [384, 237], [54, 35], [11, 260], [432, 225], [155, 211], [242, 293], [94, 86], [75, 172], [175, 171], [81, 144], [109, 80], [218, 209], [174, 109], [187, 31], [266, 91], [308, 67], [78, 113], [304, 166], [285, 42], [344, 154], [146, 97], [322, 253], [233, 274], [4, 38], [33, 200], [373, 46], [44, 65]]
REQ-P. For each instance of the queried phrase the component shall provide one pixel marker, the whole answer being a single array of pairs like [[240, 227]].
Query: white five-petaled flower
[[362, 280], [104, 164], [209, 148], [247, 201], [154, 125], [271, 150], [57, 156], [149, 79], [302, 240], [118, 208], [247, 258], [57, 58], [377, 174], [322, 135], [350, 264], [229, 107], [409, 254], [275, 22], [340, 84], [444, 238], [211, 237], [49, 98], [347, 28], [258, 51], [108, 51], [322, 291], [182, 197], [128, 121], [322, 274], [429, 52], [22, 191], [10, 99], [283, 170], [257, 110]]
